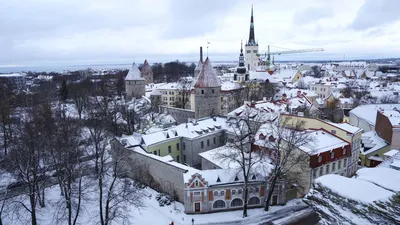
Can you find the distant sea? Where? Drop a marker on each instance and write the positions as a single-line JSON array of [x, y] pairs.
[[61, 68]]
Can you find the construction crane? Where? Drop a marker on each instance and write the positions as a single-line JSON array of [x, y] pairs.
[[268, 54]]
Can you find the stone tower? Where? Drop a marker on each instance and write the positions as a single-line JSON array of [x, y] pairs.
[[251, 47], [207, 94], [135, 86], [241, 73], [147, 73]]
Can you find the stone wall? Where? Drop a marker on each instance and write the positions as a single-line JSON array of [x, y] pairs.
[[207, 102], [180, 115], [135, 88], [149, 169]]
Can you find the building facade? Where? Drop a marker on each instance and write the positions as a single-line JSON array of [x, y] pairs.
[[15, 80]]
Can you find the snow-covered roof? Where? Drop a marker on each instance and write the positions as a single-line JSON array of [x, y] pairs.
[[322, 142], [355, 189], [168, 86], [391, 153], [13, 75], [393, 116], [134, 73], [188, 130], [155, 92], [221, 176], [369, 112], [347, 127], [207, 76], [372, 142], [230, 85], [259, 111], [381, 176]]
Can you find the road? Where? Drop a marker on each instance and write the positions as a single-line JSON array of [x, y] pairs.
[[283, 216]]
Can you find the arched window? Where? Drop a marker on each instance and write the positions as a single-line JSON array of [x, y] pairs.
[[222, 193], [233, 192], [240, 191], [219, 204], [251, 190], [236, 202], [254, 201]]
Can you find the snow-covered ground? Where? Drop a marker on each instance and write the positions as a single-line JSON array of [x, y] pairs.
[[150, 214]]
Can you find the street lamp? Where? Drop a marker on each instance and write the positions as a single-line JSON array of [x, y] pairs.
[[192, 221]]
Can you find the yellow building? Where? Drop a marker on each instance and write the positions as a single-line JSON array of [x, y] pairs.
[[344, 131]]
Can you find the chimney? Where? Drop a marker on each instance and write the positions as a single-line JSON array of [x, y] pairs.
[[201, 54]]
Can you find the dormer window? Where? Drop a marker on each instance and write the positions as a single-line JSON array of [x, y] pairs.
[[236, 178], [253, 177], [320, 158], [344, 151], [218, 180], [332, 155]]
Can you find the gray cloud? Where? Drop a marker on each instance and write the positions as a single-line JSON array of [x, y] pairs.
[[195, 18], [312, 14], [375, 13]]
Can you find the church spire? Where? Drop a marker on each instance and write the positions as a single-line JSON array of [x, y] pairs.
[[252, 39], [241, 57]]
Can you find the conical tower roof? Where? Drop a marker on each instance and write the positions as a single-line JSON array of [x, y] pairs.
[[146, 68], [207, 76], [134, 73]]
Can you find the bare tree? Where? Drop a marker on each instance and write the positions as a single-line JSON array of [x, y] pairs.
[[301, 84], [79, 95], [283, 143], [240, 151], [389, 98], [184, 90], [6, 111], [66, 156]]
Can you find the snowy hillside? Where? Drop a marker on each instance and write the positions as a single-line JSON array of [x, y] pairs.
[[341, 200]]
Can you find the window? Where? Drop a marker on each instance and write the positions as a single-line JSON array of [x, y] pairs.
[[202, 144], [254, 51], [333, 131], [257, 189], [327, 169], [214, 140], [240, 191], [208, 143], [169, 149], [251, 190], [215, 193], [155, 152], [212, 91], [159, 152], [197, 193], [233, 192], [254, 201], [177, 146], [332, 155], [344, 162], [184, 146], [222, 99], [339, 164], [222, 193], [236, 202], [314, 174], [248, 51], [219, 204], [202, 92], [344, 151], [196, 183], [177, 158], [320, 158], [333, 167]]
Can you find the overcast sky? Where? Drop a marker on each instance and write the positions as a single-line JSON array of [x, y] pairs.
[[91, 31]]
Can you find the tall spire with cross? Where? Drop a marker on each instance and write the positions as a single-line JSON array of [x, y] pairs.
[[252, 38]]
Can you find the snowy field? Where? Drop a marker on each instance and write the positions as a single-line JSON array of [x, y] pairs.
[[150, 214]]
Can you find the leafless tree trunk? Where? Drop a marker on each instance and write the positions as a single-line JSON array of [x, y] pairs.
[[240, 151], [184, 88], [287, 137]]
